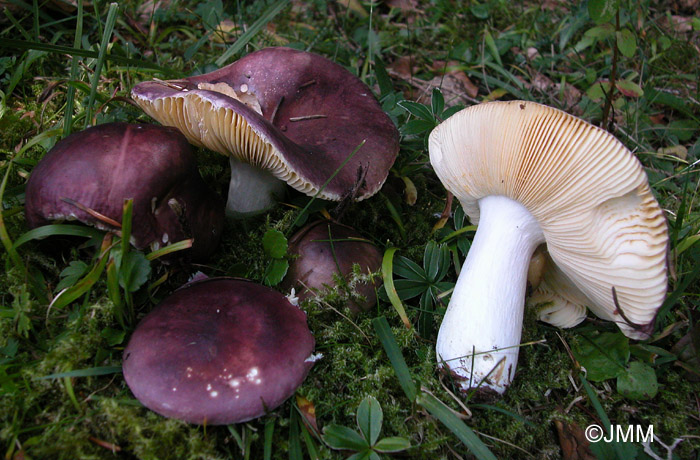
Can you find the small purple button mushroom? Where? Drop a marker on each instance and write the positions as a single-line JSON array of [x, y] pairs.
[[281, 115], [219, 351], [98, 168], [328, 249]]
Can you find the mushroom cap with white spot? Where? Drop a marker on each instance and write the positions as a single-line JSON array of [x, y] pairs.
[[219, 351], [603, 227], [293, 113]]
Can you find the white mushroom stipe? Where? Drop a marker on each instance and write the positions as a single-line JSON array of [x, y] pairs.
[[252, 190], [480, 334]]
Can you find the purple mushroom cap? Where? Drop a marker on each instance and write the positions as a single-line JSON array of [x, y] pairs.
[[294, 114], [219, 351], [100, 167], [327, 249]]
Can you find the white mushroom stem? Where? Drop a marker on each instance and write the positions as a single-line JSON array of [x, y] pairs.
[[480, 334], [252, 190]]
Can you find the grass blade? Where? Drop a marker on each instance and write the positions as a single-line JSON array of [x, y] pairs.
[[179, 246], [106, 38], [58, 229], [58, 49], [295, 452], [269, 431], [465, 434], [386, 337], [388, 277], [70, 94], [254, 28], [91, 372]]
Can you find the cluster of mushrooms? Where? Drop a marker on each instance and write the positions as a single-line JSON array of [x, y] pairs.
[[554, 197]]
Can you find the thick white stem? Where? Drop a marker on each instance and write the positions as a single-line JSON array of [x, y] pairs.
[[480, 335], [252, 190]]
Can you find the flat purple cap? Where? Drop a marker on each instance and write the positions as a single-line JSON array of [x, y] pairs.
[[293, 113], [219, 351]]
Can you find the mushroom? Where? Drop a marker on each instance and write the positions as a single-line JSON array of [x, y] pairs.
[[281, 115], [219, 351], [529, 174], [556, 300], [326, 250], [88, 175]]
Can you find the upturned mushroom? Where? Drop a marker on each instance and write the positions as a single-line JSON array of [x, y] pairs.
[[530, 175], [281, 115], [325, 250], [219, 351], [88, 175]]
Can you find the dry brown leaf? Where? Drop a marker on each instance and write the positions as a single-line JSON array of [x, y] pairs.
[[679, 24], [573, 442], [404, 67], [406, 6], [452, 69], [308, 413]]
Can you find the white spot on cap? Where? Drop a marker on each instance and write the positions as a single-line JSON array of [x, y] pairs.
[[244, 88], [174, 389], [214, 394]]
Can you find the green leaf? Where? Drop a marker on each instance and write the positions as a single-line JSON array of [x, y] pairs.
[[113, 336], [82, 286], [600, 32], [134, 270], [683, 129], [71, 274], [392, 444], [366, 454], [342, 437], [420, 111], [369, 419], [629, 88], [602, 10], [437, 102], [407, 268], [408, 289], [465, 434], [479, 11], [276, 271], [416, 126], [492, 48], [626, 42], [638, 382], [603, 355], [274, 244]]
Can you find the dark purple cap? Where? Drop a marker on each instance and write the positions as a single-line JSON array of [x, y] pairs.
[[294, 113], [326, 249], [219, 351], [100, 167]]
